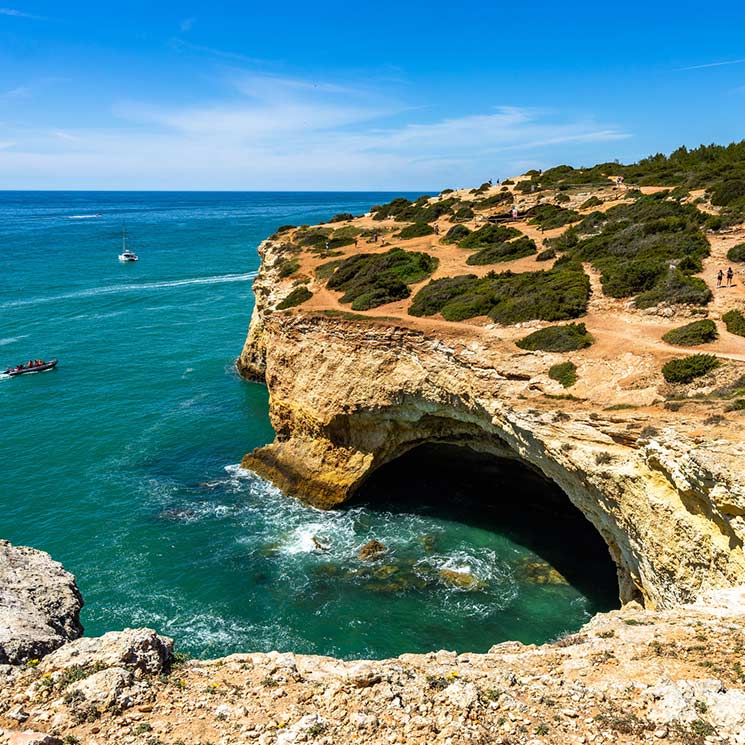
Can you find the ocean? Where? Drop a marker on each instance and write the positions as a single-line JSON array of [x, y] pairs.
[[122, 462]]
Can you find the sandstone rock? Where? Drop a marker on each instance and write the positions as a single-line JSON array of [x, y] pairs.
[[372, 550], [299, 732], [132, 649], [462, 695], [39, 604], [460, 580], [106, 688], [8, 737], [363, 676]]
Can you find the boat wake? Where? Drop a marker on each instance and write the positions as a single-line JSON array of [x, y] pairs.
[[140, 287], [82, 217], [12, 339]]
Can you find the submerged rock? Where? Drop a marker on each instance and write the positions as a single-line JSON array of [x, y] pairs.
[[541, 573], [372, 550], [460, 580], [39, 604]]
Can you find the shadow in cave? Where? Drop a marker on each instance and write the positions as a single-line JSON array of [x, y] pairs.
[[505, 496]]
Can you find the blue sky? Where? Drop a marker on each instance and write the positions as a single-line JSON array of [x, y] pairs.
[[342, 95]]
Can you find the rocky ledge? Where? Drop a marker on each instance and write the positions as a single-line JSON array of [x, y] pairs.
[[631, 676]]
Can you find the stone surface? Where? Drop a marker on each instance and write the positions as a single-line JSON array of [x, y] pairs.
[[39, 604]]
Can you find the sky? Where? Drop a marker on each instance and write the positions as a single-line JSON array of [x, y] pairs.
[[404, 95]]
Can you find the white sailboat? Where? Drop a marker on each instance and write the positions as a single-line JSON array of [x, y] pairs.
[[127, 255]]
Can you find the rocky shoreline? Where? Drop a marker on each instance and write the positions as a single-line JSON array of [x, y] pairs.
[[632, 676]]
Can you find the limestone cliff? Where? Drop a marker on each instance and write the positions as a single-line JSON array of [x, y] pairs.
[[350, 392]]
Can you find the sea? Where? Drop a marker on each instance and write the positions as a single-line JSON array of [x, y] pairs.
[[122, 462]]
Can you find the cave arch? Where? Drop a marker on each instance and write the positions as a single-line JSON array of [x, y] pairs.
[[503, 494]]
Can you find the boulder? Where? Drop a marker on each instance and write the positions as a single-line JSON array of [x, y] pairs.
[[9, 737], [39, 604], [372, 550], [131, 649]]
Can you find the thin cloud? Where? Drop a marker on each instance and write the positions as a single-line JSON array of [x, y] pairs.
[[187, 24], [19, 14], [711, 64], [180, 44], [21, 91]]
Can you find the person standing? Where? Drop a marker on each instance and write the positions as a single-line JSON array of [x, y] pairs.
[[730, 275], [720, 277]]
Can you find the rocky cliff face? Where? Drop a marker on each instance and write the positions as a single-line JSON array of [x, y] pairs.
[[349, 394], [39, 604]]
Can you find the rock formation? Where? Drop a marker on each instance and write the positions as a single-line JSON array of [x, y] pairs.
[[39, 604]]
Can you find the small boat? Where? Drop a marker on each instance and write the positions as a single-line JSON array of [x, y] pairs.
[[127, 255], [23, 369]]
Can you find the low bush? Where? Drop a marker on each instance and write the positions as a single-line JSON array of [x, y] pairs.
[[548, 216], [546, 255], [324, 271], [463, 213], [676, 288], [419, 211], [728, 191], [416, 230], [591, 202], [692, 334], [508, 182], [567, 338], [565, 373], [296, 297], [342, 217], [509, 251], [503, 197], [735, 322], [686, 369], [456, 233], [489, 235], [737, 253], [559, 294], [562, 198], [288, 267], [370, 280], [446, 191]]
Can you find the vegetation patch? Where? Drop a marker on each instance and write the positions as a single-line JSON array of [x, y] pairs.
[[546, 255], [416, 230], [488, 236], [548, 216], [455, 234], [516, 249], [565, 373], [686, 369], [735, 322], [593, 201], [698, 332], [288, 267], [342, 217], [421, 210], [737, 253], [559, 294], [296, 297], [567, 338], [370, 280]]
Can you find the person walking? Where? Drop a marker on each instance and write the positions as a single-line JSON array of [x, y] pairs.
[[730, 275], [720, 277]]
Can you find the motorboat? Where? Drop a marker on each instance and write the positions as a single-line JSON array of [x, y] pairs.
[[30, 368]]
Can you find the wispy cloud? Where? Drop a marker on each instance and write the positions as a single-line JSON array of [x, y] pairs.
[[277, 132], [6, 145], [187, 24], [19, 14], [711, 64], [181, 45], [21, 91]]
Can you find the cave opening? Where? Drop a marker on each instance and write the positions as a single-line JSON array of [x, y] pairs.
[[541, 534]]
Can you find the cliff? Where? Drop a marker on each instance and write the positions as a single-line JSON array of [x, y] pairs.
[[656, 468]]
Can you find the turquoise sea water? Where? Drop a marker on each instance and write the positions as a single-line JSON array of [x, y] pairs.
[[121, 463]]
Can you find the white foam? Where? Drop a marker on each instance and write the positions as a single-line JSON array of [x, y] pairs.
[[82, 217], [120, 289], [11, 339]]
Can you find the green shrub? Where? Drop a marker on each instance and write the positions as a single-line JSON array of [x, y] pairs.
[[446, 191], [737, 405], [296, 297], [565, 373], [503, 197], [562, 198], [324, 271], [686, 369], [591, 202], [342, 217], [416, 230], [728, 191], [288, 267], [509, 251], [419, 211], [559, 294], [508, 182], [692, 334], [455, 234], [489, 235], [737, 253], [735, 322], [549, 216], [567, 338], [284, 228], [676, 288], [369, 280], [463, 213], [546, 255]]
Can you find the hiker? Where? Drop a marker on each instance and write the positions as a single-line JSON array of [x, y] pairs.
[[730, 275], [356, 241], [514, 213], [720, 277]]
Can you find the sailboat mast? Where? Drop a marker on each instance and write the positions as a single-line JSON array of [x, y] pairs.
[[124, 241]]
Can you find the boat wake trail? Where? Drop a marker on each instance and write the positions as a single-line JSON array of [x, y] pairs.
[[121, 289], [12, 339]]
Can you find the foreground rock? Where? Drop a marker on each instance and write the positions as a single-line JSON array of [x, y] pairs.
[[39, 604], [630, 676]]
